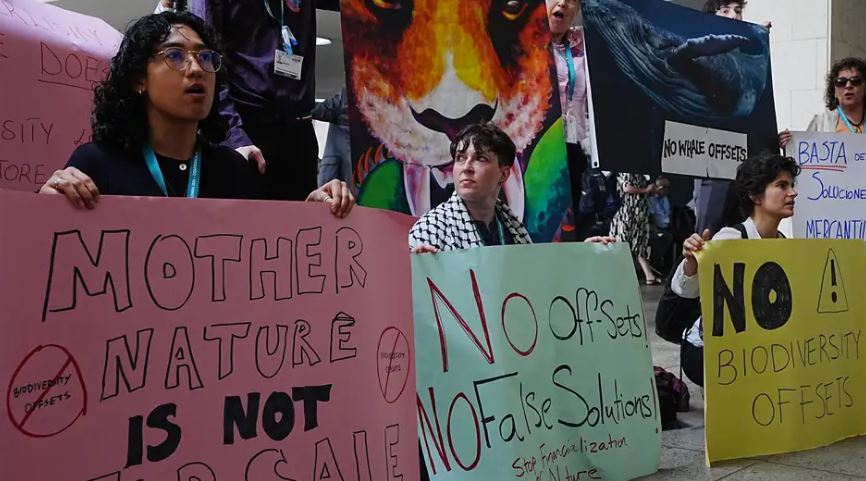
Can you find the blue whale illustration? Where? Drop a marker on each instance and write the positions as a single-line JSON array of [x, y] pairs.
[[714, 77]]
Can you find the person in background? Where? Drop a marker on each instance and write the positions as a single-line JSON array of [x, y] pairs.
[[336, 161], [729, 9], [599, 202], [845, 98], [661, 238], [659, 206], [766, 193], [156, 126], [724, 8], [568, 52], [475, 215], [715, 200], [631, 222], [271, 46]]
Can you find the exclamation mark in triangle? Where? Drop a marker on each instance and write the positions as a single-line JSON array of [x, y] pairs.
[[833, 298]]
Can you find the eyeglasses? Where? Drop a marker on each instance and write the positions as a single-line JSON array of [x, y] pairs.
[[179, 59], [843, 81]]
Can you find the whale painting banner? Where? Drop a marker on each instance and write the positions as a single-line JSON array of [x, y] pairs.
[[527, 370], [222, 340], [784, 364], [419, 72], [50, 59], [832, 185], [653, 64]]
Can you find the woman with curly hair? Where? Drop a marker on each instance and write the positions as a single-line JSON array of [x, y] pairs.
[[156, 126], [766, 193], [845, 98]]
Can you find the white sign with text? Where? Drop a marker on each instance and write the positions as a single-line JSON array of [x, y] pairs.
[[832, 185], [702, 151]]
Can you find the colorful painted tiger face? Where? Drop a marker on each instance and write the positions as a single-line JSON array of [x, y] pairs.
[[421, 70]]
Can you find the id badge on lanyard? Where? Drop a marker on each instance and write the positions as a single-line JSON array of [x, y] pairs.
[[571, 129], [286, 63], [570, 118]]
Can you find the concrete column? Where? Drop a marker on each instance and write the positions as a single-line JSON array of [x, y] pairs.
[[800, 45]]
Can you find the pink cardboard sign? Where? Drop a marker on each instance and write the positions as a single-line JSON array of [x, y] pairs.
[[173, 339], [50, 59]]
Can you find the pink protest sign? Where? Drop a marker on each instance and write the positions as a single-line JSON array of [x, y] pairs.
[[50, 59], [163, 339]]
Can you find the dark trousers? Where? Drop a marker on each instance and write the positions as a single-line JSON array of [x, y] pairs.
[[661, 249], [292, 153], [692, 361], [716, 204], [577, 165]]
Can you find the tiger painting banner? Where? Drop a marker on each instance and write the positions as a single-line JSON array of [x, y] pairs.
[[783, 346], [531, 371], [201, 340], [418, 72]]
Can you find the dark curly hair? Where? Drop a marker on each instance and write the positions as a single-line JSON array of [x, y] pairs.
[[713, 6], [485, 136], [846, 63], [756, 173], [119, 114]]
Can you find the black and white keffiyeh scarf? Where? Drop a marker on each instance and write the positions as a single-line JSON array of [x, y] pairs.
[[449, 227]]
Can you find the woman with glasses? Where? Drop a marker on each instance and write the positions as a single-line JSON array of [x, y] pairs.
[[845, 98], [156, 126]]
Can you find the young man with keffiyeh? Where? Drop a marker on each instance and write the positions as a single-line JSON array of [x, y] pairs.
[[474, 216]]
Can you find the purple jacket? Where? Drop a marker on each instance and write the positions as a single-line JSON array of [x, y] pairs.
[[255, 94]]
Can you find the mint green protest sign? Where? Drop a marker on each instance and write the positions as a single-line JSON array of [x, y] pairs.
[[533, 362]]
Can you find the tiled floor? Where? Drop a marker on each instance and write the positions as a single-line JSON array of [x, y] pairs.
[[683, 449]]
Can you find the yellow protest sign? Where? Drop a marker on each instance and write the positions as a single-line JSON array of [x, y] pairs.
[[783, 347]]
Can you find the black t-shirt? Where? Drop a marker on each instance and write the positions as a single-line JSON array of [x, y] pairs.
[[490, 234], [225, 174]]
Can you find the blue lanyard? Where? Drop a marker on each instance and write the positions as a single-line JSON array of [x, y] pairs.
[[847, 122], [289, 40], [500, 229], [572, 72], [282, 18], [156, 172]]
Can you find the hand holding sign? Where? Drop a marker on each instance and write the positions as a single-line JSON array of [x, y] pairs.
[[529, 370], [691, 246], [832, 199], [208, 337], [75, 185], [784, 357]]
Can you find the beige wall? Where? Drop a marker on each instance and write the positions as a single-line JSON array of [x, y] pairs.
[[800, 46], [848, 29], [806, 38]]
